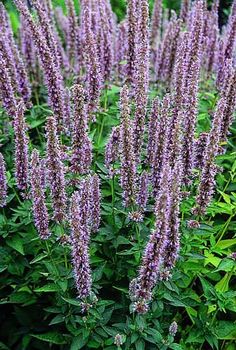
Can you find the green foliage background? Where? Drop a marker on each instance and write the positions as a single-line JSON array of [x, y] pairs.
[[39, 309]]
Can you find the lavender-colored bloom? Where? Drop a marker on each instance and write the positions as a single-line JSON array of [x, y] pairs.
[[93, 78], [40, 212], [55, 175], [209, 168], [199, 148], [21, 149], [184, 10], [3, 182], [132, 23], [112, 150], [95, 202], [81, 145], [118, 341], [79, 241], [173, 237], [122, 50], [193, 64], [162, 142], [72, 34], [7, 96], [52, 75], [128, 163], [27, 47], [136, 216], [173, 329], [166, 58], [212, 44], [13, 56], [231, 34], [141, 288], [142, 194], [193, 224], [229, 93], [47, 29], [153, 126], [105, 47], [141, 78], [156, 22]]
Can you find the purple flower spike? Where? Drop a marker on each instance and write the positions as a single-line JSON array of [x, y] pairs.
[[141, 78], [40, 212], [81, 145], [153, 126], [128, 163], [209, 168], [153, 256], [3, 182], [55, 175], [80, 241], [142, 196], [112, 150], [21, 149]]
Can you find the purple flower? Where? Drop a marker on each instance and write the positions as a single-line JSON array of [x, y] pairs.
[[156, 22], [193, 224], [95, 200], [121, 50], [81, 145], [173, 329], [132, 24], [72, 33], [162, 142], [209, 168], [93, 77], [55, 172], [7, 95], [21, 149], [141, 77], [128, 163], [153, 256], [79, 242], [199, 148], [153, 126], [166, 58], [3, 182], [13, 57], [193, 64], [112, 150], [40, 212], [142, 194], [184, 11], [53, 77]]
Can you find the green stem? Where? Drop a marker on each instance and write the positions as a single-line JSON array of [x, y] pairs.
[[225, 228], [113, 198]]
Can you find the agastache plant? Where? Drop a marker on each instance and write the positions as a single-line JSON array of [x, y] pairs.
[[40, 212], [112, 150], [81, 145], [55, 172], [141, 77], [128, 162], [3, 182], [13, 55], [142, 287], [52, 75], [79, 241], [21, 149]]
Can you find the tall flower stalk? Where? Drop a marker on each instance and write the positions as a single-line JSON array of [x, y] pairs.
[[56, 172], [40, 213]]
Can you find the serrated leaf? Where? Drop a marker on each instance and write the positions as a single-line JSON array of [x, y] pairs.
[[16, 243], [50, 337], [51, 287]]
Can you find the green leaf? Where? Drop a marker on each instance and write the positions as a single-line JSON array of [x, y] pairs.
[[140, 344], [51, 287], [38, 258], [226, 330], [78, 342], [16, 243], [226, 243], [51, 337], [72, 301]]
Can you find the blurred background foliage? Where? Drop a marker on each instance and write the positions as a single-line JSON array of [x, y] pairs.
[[119, 7]]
